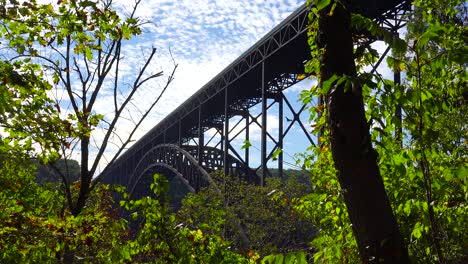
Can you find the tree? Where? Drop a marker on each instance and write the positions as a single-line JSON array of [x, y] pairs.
[[433, 157], [79, 45], [161, 238], [373, 222], [33, 225], [423, 170], [255, 219]]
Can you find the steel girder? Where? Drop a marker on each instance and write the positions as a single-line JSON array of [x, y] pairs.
[[262, 73]]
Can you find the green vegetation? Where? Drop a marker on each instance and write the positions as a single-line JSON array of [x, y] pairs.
[[47, 174], [412, 168], [421, 156], [255, 219]]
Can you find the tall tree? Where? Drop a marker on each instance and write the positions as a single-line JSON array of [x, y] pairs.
[[373, 222], [79, 45]]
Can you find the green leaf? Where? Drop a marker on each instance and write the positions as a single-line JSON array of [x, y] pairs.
[[416, 231], [279, 259], [462, 172], [290, 259], [301, 258], [326, 85], [268, 259], [247, 144], [321, 4], [88, 53], [399, 46], [134, 216], [275, 154]]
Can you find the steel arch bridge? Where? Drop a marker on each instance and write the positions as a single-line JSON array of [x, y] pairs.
[[259, 76]]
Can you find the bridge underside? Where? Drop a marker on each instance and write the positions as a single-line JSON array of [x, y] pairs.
[[258, 77]]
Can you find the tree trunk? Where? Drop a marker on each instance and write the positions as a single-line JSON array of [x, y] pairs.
[[374, 225], [85, 177]]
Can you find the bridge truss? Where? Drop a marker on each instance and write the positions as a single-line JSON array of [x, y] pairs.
[[258, 77]]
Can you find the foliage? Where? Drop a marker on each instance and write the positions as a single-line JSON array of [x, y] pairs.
[[325, 206], [76, 48], [27, 115], [429, 171], [255, 219], [161, 239], [46, 174], [422, 162], [35, 226]]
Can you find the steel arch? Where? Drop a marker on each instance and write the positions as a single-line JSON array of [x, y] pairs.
[[177, 160], [163, 165]]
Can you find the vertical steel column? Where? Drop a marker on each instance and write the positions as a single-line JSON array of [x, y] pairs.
[[180, 134], [280, 134], [226, 132], [396, 82], [264, 128], [201, 137], [221, 133], [247, 138]]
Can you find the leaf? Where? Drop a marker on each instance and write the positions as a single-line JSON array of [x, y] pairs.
[[301, 258], [134, 216], [268, 259], [247, 144], [326, 85], [399, 45], [462, 172], [417, 231], [332, 9], [279, 259], [88, 53], [276, 153], [321, 4], [434, 32], [290, 259]]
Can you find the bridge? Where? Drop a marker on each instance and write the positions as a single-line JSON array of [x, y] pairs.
[[180, 145]]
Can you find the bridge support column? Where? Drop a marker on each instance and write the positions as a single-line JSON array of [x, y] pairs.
[[280, 133], [264, 129], [201, 138], [226, 132], [180, 134], [247, 138]]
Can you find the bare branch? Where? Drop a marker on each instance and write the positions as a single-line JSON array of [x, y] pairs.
[[116, 80], [106, 68], [67, 83], [119, 111], [159, 74], [129, 139], [137, 108]]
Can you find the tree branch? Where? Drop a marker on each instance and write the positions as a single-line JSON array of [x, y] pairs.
[[107, 67], [67, 83], [129, 138]]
